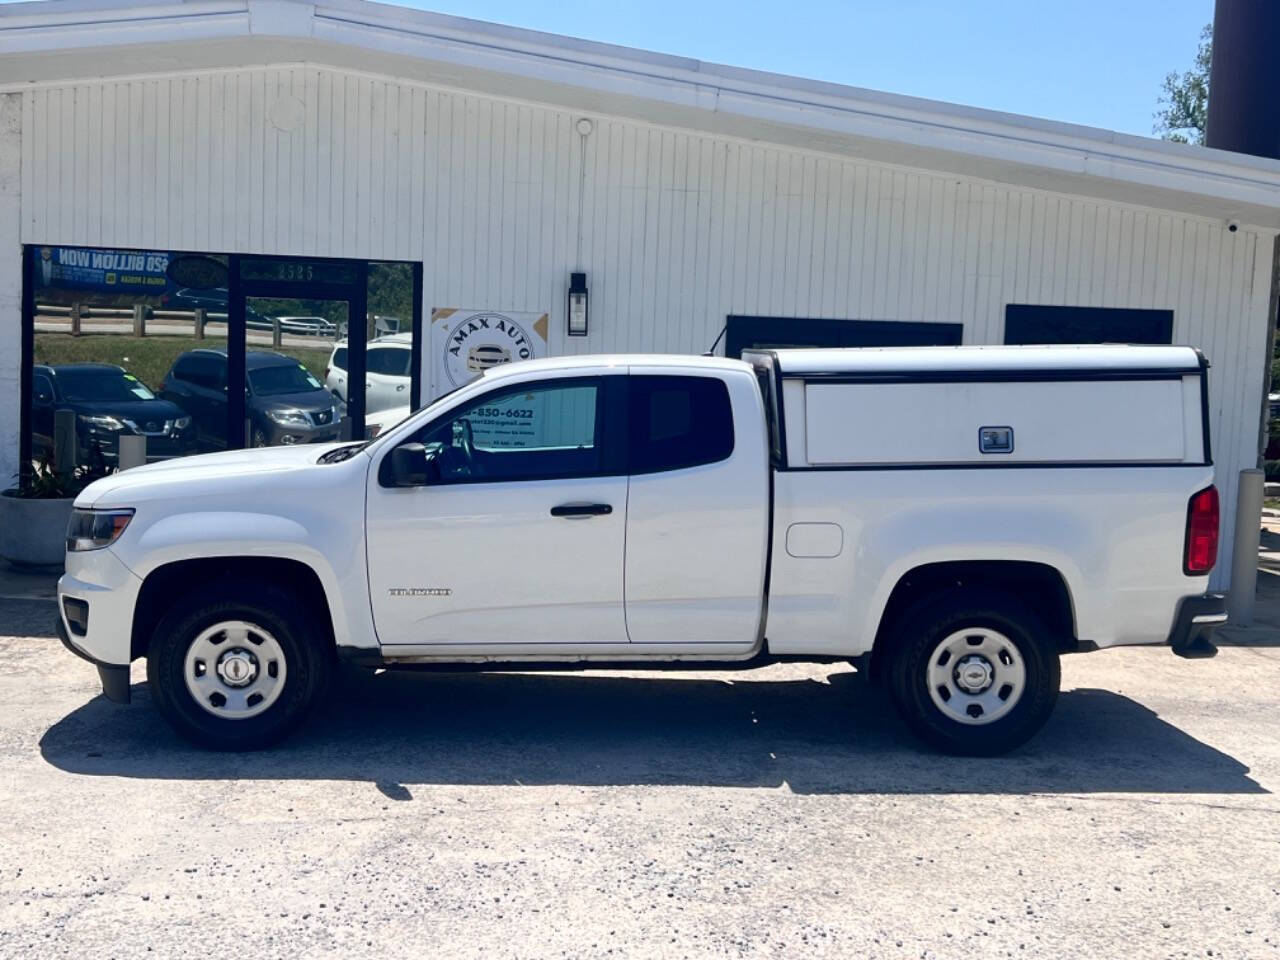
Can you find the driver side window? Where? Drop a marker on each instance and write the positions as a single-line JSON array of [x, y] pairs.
[[526, 432]]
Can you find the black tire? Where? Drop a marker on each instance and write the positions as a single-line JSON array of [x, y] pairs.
[[920, 633], [307, 652]]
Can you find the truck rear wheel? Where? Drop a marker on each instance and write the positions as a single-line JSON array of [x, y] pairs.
[[974, 672], [236, 665]]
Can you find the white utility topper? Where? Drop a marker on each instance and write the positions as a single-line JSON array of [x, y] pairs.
[[950, 519]]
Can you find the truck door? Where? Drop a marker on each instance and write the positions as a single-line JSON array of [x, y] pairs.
[[520, 538], [697, 507]]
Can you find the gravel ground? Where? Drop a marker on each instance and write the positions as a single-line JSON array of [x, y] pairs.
[[782, 812]]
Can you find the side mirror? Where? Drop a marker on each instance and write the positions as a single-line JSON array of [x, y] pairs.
[[411, 467]]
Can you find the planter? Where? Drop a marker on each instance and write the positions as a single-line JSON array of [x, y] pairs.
[[33, 532]]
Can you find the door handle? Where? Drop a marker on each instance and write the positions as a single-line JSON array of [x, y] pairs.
[[573, 511]]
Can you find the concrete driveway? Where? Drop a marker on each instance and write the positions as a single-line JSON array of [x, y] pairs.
[[782, 812]]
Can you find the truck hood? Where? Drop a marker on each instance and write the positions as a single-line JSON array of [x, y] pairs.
[[198, 475]]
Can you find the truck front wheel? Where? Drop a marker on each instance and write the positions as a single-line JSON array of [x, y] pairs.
[[236, 665], [974, 672]]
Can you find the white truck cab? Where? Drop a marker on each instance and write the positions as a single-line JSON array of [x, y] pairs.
[[950, 519]]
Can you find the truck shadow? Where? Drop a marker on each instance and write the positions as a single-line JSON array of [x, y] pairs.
[[400, 730]]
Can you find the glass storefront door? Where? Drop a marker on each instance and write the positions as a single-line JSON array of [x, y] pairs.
[[292, 394]]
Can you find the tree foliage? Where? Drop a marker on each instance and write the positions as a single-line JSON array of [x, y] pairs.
[[1184, 97], [390, 293]]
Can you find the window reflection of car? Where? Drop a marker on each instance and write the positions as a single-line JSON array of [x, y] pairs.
[[308, 326], [213, 301], [388, 367], [486, 355], [109, 403], [383, 420], [1273, 437], [284, 402]]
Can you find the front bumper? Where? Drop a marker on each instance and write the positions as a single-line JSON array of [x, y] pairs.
[[114, 678], [160, 446], [103, 592], [1194, 623], [278, 435]]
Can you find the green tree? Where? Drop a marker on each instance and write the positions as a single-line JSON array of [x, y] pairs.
[[1184, 97]]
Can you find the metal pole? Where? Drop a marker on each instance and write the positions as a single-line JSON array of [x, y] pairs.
[[1244, 555], [64, 442], [275, 332], [139, 320], [1244, 114], [75, 319], [200, 316], [133, 452]]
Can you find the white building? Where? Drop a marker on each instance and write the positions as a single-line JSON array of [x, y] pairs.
[[505, 160]]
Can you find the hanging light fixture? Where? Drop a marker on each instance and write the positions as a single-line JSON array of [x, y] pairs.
[[577, 305]]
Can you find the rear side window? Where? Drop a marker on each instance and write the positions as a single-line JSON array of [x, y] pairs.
[[678, 422], [388, 361], [340, 358], [203, 370]]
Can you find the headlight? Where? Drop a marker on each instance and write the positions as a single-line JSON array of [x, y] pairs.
[[94, 529], [337, 415], [289, 418], [182, 423], [102, 421]]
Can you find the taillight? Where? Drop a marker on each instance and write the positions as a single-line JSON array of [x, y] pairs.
[[1202, 533]]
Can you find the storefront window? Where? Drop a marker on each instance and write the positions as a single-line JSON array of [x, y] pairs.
[[136, 344], [388, 334], [109, 326]]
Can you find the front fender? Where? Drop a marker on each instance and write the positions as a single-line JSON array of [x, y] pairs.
[[212, 534]]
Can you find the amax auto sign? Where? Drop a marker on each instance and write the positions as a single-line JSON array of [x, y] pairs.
[[465, 343]]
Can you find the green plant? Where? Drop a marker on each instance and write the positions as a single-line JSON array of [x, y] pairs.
[[45, 482]]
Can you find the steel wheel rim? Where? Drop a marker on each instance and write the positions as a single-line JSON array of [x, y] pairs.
[[976, 676], [235, 670]]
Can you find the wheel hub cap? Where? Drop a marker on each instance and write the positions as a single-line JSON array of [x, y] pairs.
[[237, 668], [976, 676]]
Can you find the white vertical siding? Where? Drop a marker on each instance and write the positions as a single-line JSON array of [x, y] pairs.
[[676, 229], [11, 188]]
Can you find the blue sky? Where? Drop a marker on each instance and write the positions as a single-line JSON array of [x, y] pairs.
[[1096, 62]]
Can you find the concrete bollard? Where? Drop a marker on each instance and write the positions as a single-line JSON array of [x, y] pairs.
[[201, 316], [1244, 556], [139, 320], [133, 452], [275, 332], [76, 313]]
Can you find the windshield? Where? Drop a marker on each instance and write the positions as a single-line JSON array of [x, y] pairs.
[[268, 381], [386, 431], [93, 386]]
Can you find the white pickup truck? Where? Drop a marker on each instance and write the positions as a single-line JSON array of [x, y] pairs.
[[951, 520]]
